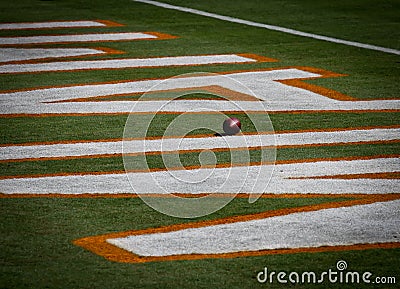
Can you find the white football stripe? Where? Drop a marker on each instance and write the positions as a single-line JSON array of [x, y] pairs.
[[280, 182], [111, 107], [20, 54], [363, 224], [261, 80], [276, 96], [173, 144], [74, 38], [50, 24], [125, 63]]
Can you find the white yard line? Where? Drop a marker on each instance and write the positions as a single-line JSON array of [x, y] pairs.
[[50, 24], [362, 224], [125, 63], [182, 144], [241, 180], [263, 84], [44, 39], [270, 27], [21, 54]]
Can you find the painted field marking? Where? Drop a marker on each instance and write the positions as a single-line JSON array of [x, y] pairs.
[[127, 246], [268, 85], [271, 27], [210, 92], [191, 60], [93, 37], [101, 148], [372, 223], [28, 54], [288, 178], [57, 24]]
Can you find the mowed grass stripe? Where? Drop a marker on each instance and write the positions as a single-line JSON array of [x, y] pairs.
[[67, 128], [115, 163]]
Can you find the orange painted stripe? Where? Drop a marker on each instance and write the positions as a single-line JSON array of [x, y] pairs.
[[317, 89], [115, 254], [109, 50], [193, 167], [110, 23], [204, 135], [299, 83], [99, 246], [257, 57], [160, 35]]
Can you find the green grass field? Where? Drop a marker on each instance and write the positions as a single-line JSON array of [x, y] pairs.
[[37, 234]]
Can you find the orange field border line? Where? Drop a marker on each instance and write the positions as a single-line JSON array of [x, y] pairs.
[[99, 246], [110, 23]]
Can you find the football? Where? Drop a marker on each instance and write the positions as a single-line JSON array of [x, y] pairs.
[[231, 126]]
